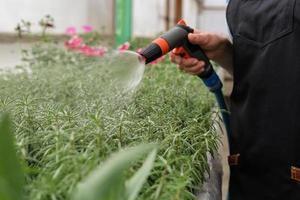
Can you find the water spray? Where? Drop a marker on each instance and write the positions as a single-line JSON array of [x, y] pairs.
[[176, 39]]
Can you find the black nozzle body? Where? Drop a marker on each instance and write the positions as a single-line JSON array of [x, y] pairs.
[[175, 37], [151, 52]]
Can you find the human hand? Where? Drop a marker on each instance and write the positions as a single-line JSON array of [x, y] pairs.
[[216, 47]]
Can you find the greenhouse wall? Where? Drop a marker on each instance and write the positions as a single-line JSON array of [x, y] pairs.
[[148, 15], [212, 16], [209, 15], [65, 12]]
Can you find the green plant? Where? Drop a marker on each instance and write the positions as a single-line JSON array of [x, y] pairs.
[[137, 43], [92, 38], [108, 181], [67, 123], [11, 174]]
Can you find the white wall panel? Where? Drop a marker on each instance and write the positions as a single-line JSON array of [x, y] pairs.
[[213, 20], [213, 17], [190, 12], [215, 2], [65, 12], [148, 17]]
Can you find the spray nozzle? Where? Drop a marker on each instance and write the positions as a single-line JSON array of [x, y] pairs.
[[168, 41], [176, 39]]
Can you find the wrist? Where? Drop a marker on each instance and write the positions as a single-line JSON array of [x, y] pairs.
[[225, 57]]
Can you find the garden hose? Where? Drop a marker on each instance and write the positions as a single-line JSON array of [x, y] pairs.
[[176, 39]]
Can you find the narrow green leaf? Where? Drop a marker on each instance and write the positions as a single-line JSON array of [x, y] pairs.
[[11, 175], [134, 185], [107, 182]]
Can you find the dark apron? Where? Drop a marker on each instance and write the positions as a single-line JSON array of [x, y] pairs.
[[265, 103]]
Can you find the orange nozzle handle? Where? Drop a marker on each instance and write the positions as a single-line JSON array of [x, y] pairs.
[[181, 22], [180, 51]]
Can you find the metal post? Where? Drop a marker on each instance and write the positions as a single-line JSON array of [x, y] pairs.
[[167, 17], [178, 11]]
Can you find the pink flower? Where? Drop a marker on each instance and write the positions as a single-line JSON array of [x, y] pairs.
[[71, 30], [124, 47], [87, 50], [87, 28], [91, 51], [74, 43], [100, 51]]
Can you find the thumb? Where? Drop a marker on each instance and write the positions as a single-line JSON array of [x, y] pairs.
[[202, 39]]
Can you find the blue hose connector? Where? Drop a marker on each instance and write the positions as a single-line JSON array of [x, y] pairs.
[[213, 82]]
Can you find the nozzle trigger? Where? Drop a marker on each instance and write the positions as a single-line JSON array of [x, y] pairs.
[[180, 51]]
